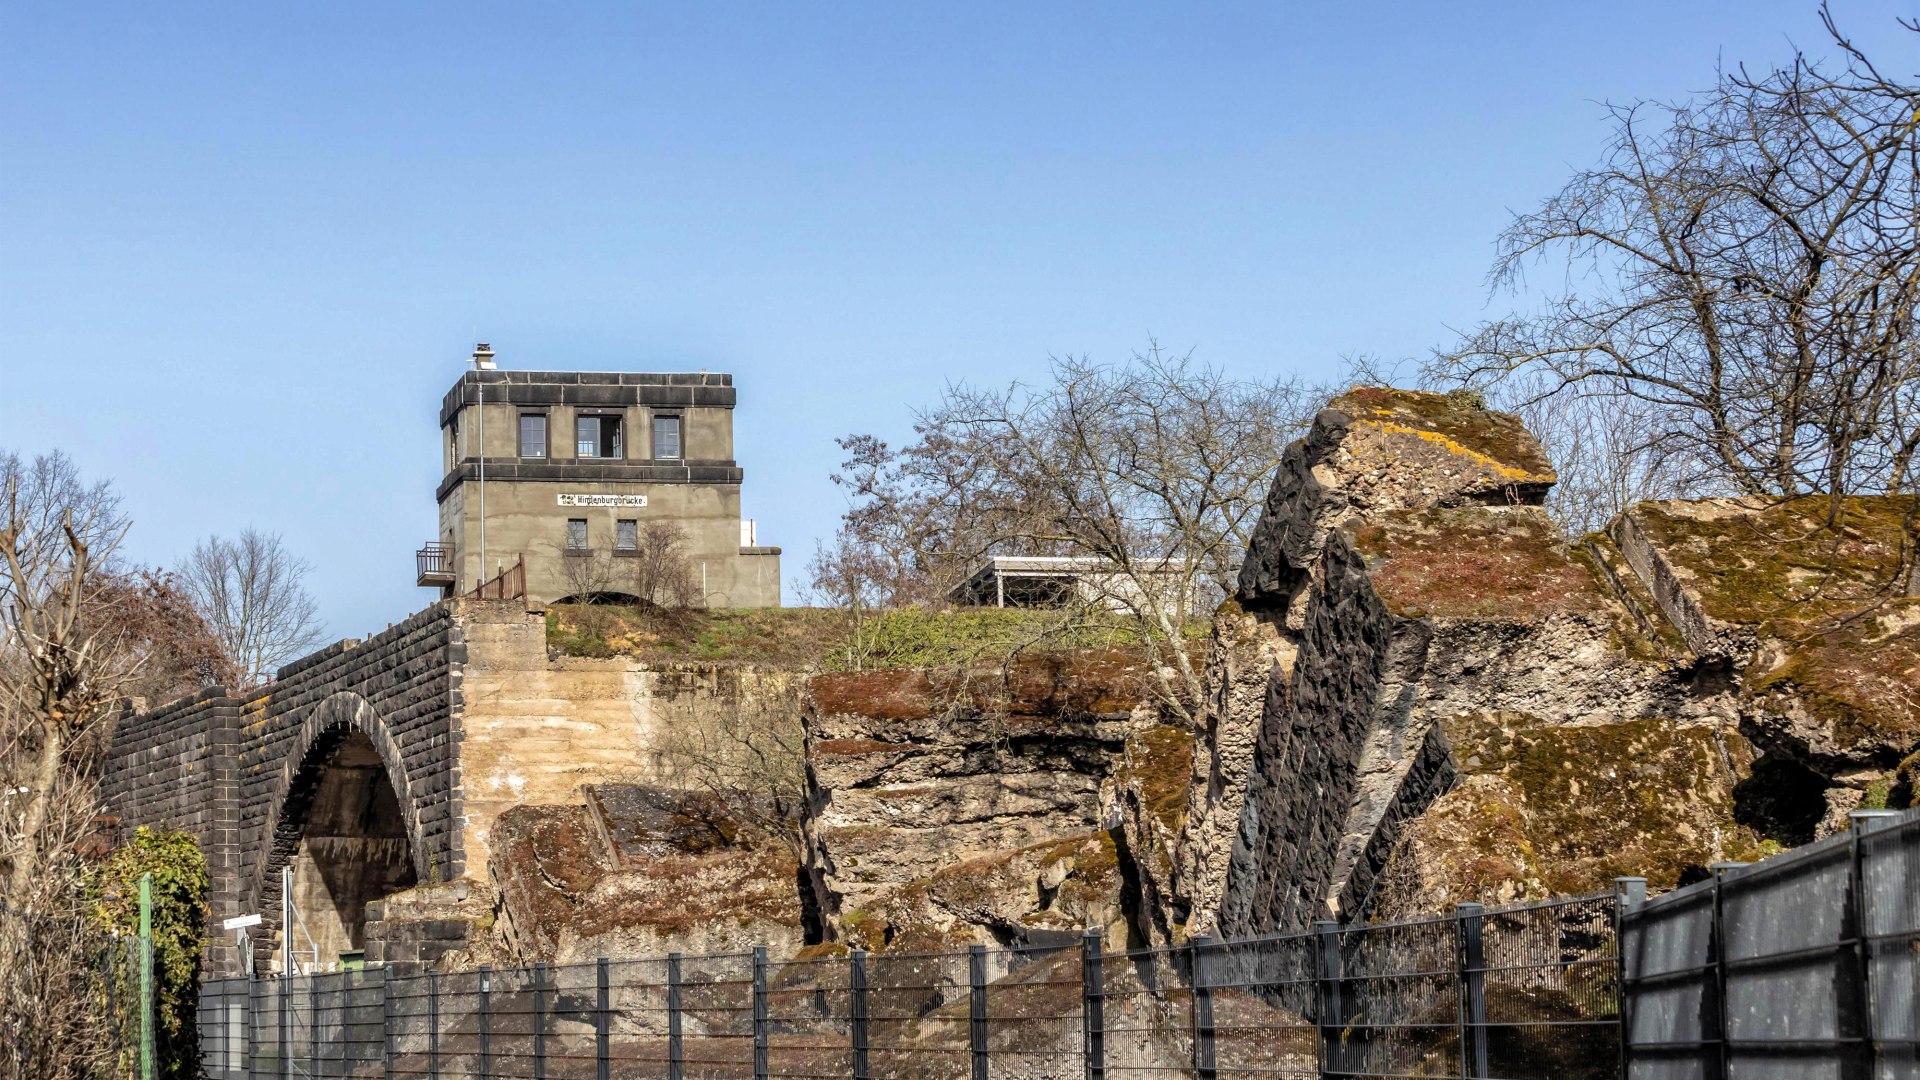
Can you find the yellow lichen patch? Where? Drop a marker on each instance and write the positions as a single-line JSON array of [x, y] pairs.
[[1459, 422], [1486, 461]]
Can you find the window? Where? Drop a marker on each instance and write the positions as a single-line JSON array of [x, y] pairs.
[[533, 435], [626, 535], [666, 437], [598, 436], [576, 534]]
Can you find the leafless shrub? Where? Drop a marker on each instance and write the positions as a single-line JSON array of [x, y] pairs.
[[659, 569], [590, 576], [64, 664], [751, 759]]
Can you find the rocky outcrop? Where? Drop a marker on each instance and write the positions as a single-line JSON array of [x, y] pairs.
[[640, 871], [1822, 622], [1419, 694], [1417, 582], [1249, 660], [1463, 705], [961, 807]]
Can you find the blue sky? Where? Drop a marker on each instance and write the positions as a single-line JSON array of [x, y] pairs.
[[245, 249]]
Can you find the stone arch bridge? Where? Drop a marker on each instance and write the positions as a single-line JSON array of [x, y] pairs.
[[345, 767], [375, 765]]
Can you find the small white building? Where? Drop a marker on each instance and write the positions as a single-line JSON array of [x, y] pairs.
[[1057, 580]]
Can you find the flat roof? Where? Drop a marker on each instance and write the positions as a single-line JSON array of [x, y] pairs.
[[667, 389]]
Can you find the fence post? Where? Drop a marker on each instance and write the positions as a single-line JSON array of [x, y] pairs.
[[256, 1025], [857, 1012], [602, 1028], [386, 1022], [1331, 1019], [539, 1021], [146, 976], [1093, 1018], [759, 1012], [282, 1036], [486, 1022], [433, 1025], [1628, 894], [1470, 923], [313, 1020], [1861, 822], [676, 1050], [111, 971], [1204, 1064], [977, 1008], [1718, 943]]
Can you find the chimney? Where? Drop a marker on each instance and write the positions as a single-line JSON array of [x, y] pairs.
[[483, 357]]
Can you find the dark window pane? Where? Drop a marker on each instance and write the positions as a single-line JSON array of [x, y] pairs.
[[598, 436], [666, 436], [577, 533], [533, 435], [626, 535]]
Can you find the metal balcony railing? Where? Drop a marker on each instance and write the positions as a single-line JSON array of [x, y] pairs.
[[435, 564]]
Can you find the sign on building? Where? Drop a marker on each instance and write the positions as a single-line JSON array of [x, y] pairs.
[[570, 499]]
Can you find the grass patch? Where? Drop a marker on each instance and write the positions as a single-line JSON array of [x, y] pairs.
[[787, 637], [826, 639]]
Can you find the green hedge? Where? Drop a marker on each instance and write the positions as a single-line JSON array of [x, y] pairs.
[[179, 929]]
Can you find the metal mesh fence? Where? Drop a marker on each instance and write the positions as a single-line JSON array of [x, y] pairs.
[[1526, 991]]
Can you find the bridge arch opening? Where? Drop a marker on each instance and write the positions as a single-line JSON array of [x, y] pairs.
[[353, 846]]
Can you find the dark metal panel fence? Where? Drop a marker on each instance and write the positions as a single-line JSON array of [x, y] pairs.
[[1800, 966], [1525, 991]]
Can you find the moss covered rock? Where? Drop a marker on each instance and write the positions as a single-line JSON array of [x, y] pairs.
[[1814, 601], [1548, 809]]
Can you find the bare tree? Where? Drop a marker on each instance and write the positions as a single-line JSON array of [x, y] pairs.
[[173, 651], [1742, 275], [659, 569], [854, 579], [251, 591], [63, 664], [1607, 451], [1156, 468]]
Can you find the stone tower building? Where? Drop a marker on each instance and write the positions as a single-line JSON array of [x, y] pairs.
[[567, 473]]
